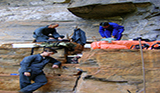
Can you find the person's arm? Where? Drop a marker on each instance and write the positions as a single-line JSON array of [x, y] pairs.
[[56, 63], [55, 66], [101, 31], [55, 34], [115, 30], [113, 36], [27, 73]]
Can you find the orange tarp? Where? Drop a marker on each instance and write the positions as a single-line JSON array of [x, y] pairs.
[[121, 44]]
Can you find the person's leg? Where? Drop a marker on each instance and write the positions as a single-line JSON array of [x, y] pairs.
[[119, 35], [41, 39], [24, 80], [40, 80]]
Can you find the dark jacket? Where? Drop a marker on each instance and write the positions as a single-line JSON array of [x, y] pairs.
[[41, 34], [36, 63], [79, 36]]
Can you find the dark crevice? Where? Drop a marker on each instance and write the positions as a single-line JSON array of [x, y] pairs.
[[79, 76], [103, 79]]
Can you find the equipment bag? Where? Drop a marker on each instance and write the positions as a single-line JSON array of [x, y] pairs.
[[144, 46], [156, 45]]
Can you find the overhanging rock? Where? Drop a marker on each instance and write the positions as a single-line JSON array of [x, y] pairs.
[[101, 11]]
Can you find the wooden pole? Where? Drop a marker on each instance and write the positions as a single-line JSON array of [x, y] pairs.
[[143, 67]]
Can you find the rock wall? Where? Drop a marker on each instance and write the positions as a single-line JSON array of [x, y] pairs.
[[103, 71], [119, 71], [18, 19]]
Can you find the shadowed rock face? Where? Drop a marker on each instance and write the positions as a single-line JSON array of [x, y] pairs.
[[102, 11]]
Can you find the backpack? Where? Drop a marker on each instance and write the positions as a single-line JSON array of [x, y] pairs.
[[138, 47], [156, 45]]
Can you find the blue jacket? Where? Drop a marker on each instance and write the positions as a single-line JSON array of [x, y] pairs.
[[114, 29], [79, 36], [39, 34], [36, 63]]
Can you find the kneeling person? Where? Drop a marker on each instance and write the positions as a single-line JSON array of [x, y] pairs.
[[111, 30], [32, 69]]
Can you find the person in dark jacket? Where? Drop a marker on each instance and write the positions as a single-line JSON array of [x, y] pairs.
[[111, 30], [32, 69], [79, 36], [42, 34]]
